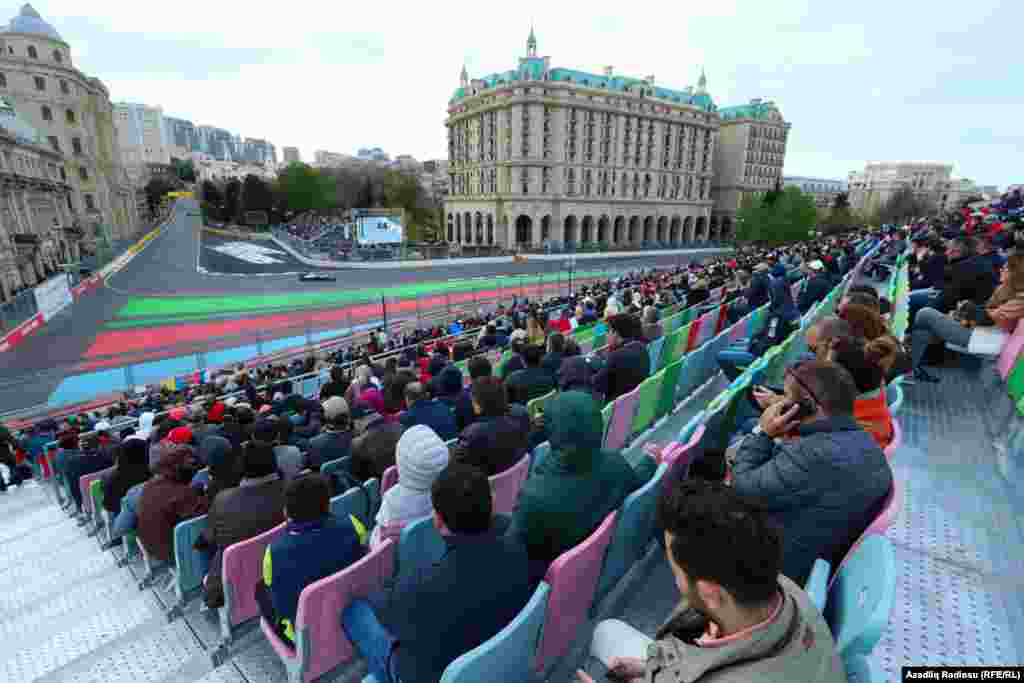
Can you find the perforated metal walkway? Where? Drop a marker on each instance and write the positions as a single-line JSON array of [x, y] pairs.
[[69, 613]]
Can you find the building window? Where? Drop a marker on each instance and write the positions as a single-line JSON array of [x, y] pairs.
[[3, 80], [70, 115], [32, 52], [57, 56], [90, 203], [63, 174], [71, 206], [54, 142], [47, 114], [83, 174], [40, 83], [64, 88], [76, 146]]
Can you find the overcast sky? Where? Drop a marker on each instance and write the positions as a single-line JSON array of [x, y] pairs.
[[871, 80]]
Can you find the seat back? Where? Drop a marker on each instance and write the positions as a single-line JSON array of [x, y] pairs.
[[622, 420], [1011, 350], [880, 524], [897, 439], [632, 534], [536, 406], [894, 398], [357, 501], [860, 669], [418, 545], [540, 452], [817, 583], [508, 656], [654, 349], [191, 564], [242, 569], [96, 496], [389, 479], [336, 465], [84, 482], [573, 579], [861, 597], [647, 405], [667, 393], [320, 640], [505, 485]]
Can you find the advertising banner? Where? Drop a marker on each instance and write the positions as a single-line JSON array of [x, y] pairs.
[[53, 295]]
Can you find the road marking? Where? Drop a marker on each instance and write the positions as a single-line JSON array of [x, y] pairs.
[[250, 253]]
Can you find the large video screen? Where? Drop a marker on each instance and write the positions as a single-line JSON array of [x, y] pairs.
[[379, 230]]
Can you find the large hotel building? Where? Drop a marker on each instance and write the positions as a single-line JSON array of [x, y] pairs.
[[549, 156]]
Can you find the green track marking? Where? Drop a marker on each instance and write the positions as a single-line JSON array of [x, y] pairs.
[[166, 308]]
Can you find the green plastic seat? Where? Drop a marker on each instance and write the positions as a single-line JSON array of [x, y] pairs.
[[647, 405]]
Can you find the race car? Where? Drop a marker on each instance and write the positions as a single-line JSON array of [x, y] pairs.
[[317, 277]]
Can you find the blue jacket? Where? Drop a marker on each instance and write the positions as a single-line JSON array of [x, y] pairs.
[[127, 518], [304, 554], [781, 298], [440, 611], [814, 290], [328, 446], [822, 489], [434, 414]]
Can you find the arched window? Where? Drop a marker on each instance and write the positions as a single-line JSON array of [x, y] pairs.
[[3, 80], [47, 113], [32, 52], [57, 56], [70, 115]]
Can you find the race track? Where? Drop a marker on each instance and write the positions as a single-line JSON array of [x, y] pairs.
[[196, 291]]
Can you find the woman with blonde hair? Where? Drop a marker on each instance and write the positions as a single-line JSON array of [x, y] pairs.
[[981, 330]]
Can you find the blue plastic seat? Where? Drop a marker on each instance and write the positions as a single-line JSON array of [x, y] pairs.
[[861, 597], [539, 453], [860, 669], [632, 534], [817, 583], [190, 564], [332, 466]]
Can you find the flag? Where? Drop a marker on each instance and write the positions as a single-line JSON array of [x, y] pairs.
[[168, 384]]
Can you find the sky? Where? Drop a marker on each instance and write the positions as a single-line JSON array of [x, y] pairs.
[[862, 81]]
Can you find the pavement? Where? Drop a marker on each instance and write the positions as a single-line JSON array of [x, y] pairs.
[[191, 290]]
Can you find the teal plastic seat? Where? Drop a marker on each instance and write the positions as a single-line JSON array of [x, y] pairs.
[[632, 534], [817, 583], [419, 545], [861, 597], [860, 669], [190, 564], [358, 502], [539, 454], [332, 466]]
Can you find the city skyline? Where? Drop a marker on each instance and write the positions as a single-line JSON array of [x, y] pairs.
[[854, 91]]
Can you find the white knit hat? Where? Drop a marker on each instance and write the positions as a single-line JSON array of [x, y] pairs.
[[421, 455]]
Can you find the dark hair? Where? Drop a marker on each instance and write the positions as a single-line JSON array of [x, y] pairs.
[[864, 321], [863, 289], [533, 355], [394, 390], [479, 366], [851, 354], [461, 495], [308, 498], [626, 325], [284, 429], [258, 459], [720, 536], [572, 348], [414, 391], [489, 394], [556, 342], [827, 384], [861, 299]]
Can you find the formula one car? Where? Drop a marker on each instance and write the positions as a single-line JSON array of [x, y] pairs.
[[317, 277]]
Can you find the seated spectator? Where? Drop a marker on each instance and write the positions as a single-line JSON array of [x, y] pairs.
[[132, 468], [968, 277], [978, 329], [435, 613], [336, 439], [819, 475], [496, 439], [290, 460], [315, 545], [816, 288], [97, 455], [478, 367], [572, 490], [531, 382], [652, 328], [575, 374], [424, 410], [628, 363], [739, 618], [536, 335], [926, 274], [513, 361], [223, 469], [447, 386], [420, 455], [552, 360], [864, 360], [363, 380], [254, 506], [167, 499], [865, 322]]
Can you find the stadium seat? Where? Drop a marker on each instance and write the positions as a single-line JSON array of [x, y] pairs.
[[620, 426], [882, 521], [632, 534], [332, 466], [389, 479], [667, 393], [190, 564], [505, 485], [419, 544], [860, 669], [861, 597], [654, 349], [320, 642], [358, 502], [542, 451], [817, 583], [897, 439], [242, 569], [1011, 351], [894, 397], [96, 496], [84, 484], [537, 405], [573, 579], [647, 404]]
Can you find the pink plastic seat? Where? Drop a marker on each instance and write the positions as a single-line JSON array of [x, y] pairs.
[[242, 569], [1011, 350], [389, 479], [320, 641], [621, 424], [897, 439], [890, 510], [505, 485], [681, 454], [573, 579]]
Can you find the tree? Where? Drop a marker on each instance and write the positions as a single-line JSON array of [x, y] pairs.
[[184, 169], [788, 218], [232, 199], [842, 201], [256, 194], [300, 188], [155, 189]]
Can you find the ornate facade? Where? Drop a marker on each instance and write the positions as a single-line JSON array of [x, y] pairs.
[[753, 151], [73, 113], [38, 232], [550, 156]]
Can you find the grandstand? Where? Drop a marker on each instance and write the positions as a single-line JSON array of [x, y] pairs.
[[934, 581]]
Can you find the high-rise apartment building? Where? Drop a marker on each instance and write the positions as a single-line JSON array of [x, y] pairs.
[[541, 155], [142, 137], [752, 150]]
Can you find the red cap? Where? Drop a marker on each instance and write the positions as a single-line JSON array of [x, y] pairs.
[[216, 414], [177, 413], [180, 435]]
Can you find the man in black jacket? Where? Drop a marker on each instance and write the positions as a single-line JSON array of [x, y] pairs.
[[531, 382], [816, 288], [628, 364], [968, 277]]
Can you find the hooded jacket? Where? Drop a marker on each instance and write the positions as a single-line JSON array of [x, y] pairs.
[[573, 489], [420, 456], [132, 468], [224, 469]]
